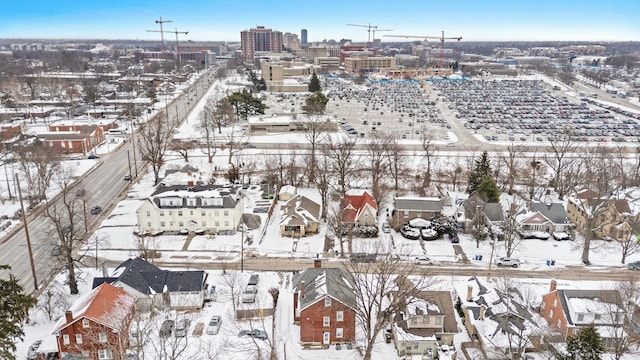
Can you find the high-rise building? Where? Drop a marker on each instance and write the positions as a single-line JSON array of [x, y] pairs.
[[303, 36], [259, 41], [291, 41]]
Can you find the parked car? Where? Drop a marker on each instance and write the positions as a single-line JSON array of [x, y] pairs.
[[253, 279], [423, 260], [506, 261], [362, 258], [127, 177], [96, 210], [386, 228], [33, 350], [249, 294], [255, 333], [93, 156], [166, 328], [634, 265], [214, 325], [182, 327]]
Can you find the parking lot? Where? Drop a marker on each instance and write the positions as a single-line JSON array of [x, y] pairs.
[[508, 110]]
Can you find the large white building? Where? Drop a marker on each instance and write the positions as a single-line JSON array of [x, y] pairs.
[[202, 208]]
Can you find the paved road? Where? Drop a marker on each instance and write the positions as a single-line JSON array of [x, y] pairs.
[[453, 269], [104, 185]]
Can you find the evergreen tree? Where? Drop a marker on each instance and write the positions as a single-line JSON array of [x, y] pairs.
[[245, 104], [314, 84], [481, 169], [488, 190], [315, 104], [586, 345], [14, 309]]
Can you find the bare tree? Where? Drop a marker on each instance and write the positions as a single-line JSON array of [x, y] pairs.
[[182, 147], [234, 281], [53, 301], [509, 228], [337, 227], [397, 162], [66, 217], [38, 163], [429, 150], [170, 347], [235, 143], [155, 136], [378, 160], [514, 152], [322, 180], [382, 289], [343, 163], [562, 147], [628, 240], [207, 125]]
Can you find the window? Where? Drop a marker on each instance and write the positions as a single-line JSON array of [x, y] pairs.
[[405, 213], [162, 224], [226, 213], [559, 323], [148, 223], [326, 321], [190, 212], [438, 320], [180, 223], [161, 213], [425, 319], [148, 213], [204, 223], [170, 213], [203, 213], [102, 337], [339, 315], [414, 320], [555, 302], [226, 224], [575, 331], [180, 213], [85, 323], [419, 214], [217, 223], [580, 317], [339, 333], [104, 354], [78, 338], [551, 313], [327, 301], [65, 339], [598, 316]]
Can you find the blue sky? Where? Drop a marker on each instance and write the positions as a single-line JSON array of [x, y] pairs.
[[474, 20]]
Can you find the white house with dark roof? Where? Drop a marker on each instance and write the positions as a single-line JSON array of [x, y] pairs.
[[210, 208], [545, 217]]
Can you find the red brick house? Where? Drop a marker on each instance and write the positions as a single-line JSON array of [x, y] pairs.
[[569, 310], [323, 305], [96, 326], [359, 208], [80, 139], [409, 208]]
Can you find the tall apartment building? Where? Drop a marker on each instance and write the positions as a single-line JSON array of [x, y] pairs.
[[291, 41], [303, 36], [259, 41]]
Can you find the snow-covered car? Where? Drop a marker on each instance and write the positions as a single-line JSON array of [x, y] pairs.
[[256, 333], [182, 327], [506, 261], [634, 265], [428, 234], [410, 232], [386, 228], [166, 328], [249, 294], [33, 350], [423, 260], [214, 325]]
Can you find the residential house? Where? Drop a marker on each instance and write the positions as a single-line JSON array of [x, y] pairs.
[[569, 310], [185, 175], [299, 217], [359, 208], [96, 326], [154, 287], [287, 192], [545, 217], [610, 217], [79, 140], [323, 305], [481, 213], [408, 208], [426, 325], [501, 320], [181, 208]]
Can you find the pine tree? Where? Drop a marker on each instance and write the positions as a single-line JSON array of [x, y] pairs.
[[586, 345], [481, 169], [488, 190], [14, 309], [315, 104], [314, 84]]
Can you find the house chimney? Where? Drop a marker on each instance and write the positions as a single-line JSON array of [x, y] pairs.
[[105, 273], [302, 289], [68, 316], [317, 263], [553, 285], [483, 309], [469, 292]]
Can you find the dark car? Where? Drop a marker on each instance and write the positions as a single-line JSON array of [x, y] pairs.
[[127, 177], [634, 265], [96, 210], [362, 258], [167, 328], [93, 156], [255, 333]]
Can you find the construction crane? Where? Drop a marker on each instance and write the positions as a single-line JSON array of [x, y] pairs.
[[369, 29], [177, 43], [374, 33], [164, 49], [442, 38]]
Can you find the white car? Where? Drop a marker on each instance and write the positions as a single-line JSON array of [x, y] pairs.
[[249, 295], [386, 228], [423, 260], [214, 325], [505, 261]]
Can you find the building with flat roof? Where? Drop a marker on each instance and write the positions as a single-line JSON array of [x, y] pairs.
[[358, 63], [259, 41]]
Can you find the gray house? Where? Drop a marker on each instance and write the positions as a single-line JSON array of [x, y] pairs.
[[478, 211], [408, 208], [546, 217]]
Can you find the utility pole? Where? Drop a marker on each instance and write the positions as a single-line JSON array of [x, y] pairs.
[[26, 232]]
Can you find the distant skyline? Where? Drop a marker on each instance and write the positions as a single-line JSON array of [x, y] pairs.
[[222, 20]]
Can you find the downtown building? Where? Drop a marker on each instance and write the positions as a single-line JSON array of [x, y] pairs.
[[259, 41]]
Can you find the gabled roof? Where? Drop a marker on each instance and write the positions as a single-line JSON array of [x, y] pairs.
[[149, 279], [106, 305], [354, 204], [299, 210], [555, 212], [493, 211], [418, 204], [597, 300], [318, 282], [432, 302]]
